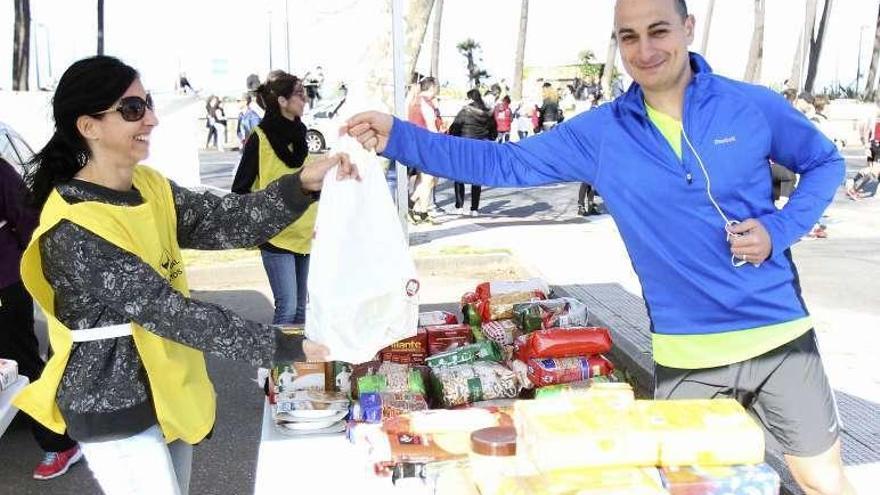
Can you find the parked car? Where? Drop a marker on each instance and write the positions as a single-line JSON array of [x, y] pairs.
[[14, 149], [322, 124]]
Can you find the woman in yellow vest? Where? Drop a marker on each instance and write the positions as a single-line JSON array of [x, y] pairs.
[[276, 148], [127, 378]]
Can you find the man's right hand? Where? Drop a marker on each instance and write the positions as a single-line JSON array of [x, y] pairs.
[[371, 129]]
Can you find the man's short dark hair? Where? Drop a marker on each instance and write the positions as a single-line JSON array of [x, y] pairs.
[[682, 8]]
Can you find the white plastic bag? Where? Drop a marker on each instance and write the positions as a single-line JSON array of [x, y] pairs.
[[363, 287]]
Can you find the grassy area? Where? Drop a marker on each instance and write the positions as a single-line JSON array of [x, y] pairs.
[[459, 251], [194, 258]]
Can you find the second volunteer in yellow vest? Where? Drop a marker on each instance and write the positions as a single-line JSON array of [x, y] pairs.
[[127, 374], [277, 147]]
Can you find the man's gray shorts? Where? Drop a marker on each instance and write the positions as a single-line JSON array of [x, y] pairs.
[[785, 390]]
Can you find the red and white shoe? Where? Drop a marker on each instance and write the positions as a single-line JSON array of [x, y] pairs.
[[55, 464]]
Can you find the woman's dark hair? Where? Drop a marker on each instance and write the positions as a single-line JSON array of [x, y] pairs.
[[278, 83], [476, 98], [89, 86]]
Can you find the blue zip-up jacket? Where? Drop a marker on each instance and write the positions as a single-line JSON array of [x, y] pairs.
[[675, 237]]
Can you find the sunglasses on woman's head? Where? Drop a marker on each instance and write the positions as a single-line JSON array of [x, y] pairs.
[[132, 108]]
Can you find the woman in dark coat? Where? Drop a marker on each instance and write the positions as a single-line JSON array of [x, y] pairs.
[[474, 121]]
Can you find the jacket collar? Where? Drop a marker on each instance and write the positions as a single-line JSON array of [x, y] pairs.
[[634, 98]]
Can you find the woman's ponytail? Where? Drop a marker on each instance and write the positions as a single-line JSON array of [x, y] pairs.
[[58, 161]]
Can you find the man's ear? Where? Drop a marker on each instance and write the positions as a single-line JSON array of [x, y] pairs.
[[88, 127], [689, 27]]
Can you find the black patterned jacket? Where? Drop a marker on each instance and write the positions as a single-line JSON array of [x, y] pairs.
[[104, 393]]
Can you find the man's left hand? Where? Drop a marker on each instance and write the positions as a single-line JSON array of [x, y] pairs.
[[753, 243]]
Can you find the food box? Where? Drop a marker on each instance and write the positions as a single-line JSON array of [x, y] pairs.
[[434, 318], [581, 432], [704, 432], [442, 338], [758, 479], [297, 375], [605, 481], [412, 350]]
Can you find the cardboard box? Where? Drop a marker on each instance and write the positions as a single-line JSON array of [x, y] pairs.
[[413, 350], [442, 338], [299, 376]]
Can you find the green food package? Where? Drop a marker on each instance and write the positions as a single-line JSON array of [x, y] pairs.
[[371, 384], [484, 350]]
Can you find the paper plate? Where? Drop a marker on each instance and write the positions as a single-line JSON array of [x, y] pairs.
[[310, 425], [311, 415]]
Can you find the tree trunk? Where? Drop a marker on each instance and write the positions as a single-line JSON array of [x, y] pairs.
[[100, 27], [875, 58], [417, 18], [804, 45], [520, 50], [435, 43], [816, 46], [756, 52], [608, 70], [705, 46], [796, 64], [21, 43]]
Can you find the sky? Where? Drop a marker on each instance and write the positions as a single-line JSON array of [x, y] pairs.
[[218, 43]]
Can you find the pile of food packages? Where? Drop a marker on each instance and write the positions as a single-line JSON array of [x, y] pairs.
[[518, 397]]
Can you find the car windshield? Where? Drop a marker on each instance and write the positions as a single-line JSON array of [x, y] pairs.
[[14, 150]]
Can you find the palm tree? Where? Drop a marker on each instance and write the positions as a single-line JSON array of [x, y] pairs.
[[21, 43], [435, 42], [100, 27], [875, 57], [816, 45], [756, 52], [705, 45], [803, 48], [608, 69], [520, 50], [470, 48]]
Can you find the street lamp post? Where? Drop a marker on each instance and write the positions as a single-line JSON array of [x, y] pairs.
[[287, 31], [859, 63], [270, 40]]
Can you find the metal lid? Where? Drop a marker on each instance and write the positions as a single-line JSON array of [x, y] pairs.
[[495, 441]]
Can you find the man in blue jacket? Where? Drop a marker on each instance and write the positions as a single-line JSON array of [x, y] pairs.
[[717, 275]]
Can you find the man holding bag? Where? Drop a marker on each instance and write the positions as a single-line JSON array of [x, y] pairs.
[[726, 310]]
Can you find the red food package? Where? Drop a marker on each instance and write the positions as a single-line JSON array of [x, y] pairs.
[[553, 371], [442, 338], [433, 318], [413, 350], [563, 342]]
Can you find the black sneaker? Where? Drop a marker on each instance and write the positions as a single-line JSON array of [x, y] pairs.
[[582, 211], [592, 210]]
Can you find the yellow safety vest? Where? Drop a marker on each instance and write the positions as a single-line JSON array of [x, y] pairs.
[[296, 237], [182, 393]]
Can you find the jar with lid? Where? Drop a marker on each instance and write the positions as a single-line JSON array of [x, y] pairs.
[[493, 457]]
